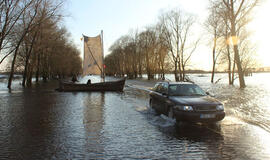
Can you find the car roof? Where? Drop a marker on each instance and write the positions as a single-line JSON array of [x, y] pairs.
[[175, 83]]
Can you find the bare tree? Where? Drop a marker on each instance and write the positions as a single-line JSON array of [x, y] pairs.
[[11, 12], [177, 27], [39, 44], [248, 52], [116, 64], [214, 25], [136, 54], [148, 41], [46, 12], [27, 24], [238, 12], [162, 51]]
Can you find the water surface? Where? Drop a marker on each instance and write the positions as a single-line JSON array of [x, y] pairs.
[[40, 123]]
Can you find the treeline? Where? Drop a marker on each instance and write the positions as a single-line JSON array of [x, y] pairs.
[[166, 46], [145, 52], [33, 41], [169, 44]]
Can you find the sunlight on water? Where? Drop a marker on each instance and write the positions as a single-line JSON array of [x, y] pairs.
[[264, 140], [229, 120], [141, 108]]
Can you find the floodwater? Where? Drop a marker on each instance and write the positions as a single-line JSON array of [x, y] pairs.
[[40, 123]]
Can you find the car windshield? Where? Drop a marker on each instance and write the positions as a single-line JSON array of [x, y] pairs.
[[185, 90]]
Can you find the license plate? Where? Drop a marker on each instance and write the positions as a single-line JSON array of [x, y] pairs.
[[207, 116]]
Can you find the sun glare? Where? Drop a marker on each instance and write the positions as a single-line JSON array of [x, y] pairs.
[[233, 40]]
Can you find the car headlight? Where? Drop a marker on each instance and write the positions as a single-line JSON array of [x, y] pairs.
[[220, 107], [185, 108]]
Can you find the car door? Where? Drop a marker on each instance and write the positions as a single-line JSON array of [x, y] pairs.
[[155, 95], [159, 98], [163, 99]]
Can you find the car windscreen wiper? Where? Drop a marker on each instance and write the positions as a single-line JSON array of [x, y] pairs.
[[198, 95], [179, 95]]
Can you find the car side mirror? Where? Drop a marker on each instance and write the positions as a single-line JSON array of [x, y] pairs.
[[209, 94], [164, 94]]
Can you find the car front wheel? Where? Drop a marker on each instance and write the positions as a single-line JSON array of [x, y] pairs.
[[151, 103], [152, 107], [170, 113]]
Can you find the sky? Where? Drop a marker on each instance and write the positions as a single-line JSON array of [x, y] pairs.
[[119, 17]]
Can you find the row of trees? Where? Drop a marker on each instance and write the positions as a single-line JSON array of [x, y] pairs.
[[33, 42], [143, 52], [169, 45], [166, 46]]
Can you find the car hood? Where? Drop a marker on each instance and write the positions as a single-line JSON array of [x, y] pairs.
[[194, 100]]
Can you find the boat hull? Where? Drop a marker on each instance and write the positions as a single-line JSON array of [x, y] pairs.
[[103, 86]]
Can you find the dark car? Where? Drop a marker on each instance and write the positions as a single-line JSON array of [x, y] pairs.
[[185, 101]]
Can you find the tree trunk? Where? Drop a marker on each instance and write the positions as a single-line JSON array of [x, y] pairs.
[[183, 77], [233, 71], [28, 55], [162, 72], [237, 58], [181, 70], [25, 67], [175, 71], [229, 65], [38, 65], [214, 58], [239, 68], [213, 72], [14, 60], [235, 49], [25, 70], [29, 76], [181, 65], [12, 68], [148, 67]]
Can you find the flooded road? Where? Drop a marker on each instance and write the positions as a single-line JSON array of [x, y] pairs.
[[39, 123]]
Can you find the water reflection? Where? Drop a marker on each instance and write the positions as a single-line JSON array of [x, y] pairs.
[[25, 124], [93, 123]]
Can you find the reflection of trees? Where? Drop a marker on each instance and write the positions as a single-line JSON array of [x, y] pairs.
[[93, 121], [29, 124]]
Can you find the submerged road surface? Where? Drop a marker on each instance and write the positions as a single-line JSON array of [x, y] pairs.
[[40, 123]]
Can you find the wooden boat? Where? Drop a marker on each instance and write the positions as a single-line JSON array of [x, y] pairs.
[[93, 64], [102, 86]]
